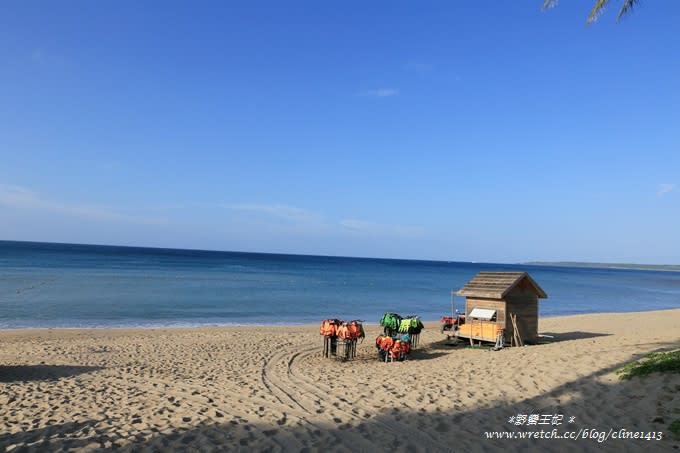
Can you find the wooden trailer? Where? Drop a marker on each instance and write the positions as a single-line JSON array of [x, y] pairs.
[[492, 299]]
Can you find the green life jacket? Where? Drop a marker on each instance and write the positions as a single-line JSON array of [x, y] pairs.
[[391, 321], [405, 326], [416, 325]]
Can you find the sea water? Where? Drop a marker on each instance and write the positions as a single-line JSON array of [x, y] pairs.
[[66, 285]]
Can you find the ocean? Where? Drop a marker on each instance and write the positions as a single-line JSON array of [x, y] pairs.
[[66, 285]]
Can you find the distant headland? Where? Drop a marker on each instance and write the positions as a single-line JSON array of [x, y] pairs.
[[632, 266]]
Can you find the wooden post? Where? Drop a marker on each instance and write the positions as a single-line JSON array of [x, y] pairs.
[[519, 334], [514, 330], [516, 333]]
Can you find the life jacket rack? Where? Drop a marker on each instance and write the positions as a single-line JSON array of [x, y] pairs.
[[340, 338], [393, 348]]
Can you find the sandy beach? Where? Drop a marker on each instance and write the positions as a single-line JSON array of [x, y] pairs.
[[270, 389]]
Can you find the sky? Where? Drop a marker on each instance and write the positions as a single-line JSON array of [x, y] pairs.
[[458, 131]]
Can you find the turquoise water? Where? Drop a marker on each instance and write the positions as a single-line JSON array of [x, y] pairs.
[[60, 285]]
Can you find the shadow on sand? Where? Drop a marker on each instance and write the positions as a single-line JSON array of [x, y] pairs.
[[14, 373], [50, 438], [544, 338], [549, 337]]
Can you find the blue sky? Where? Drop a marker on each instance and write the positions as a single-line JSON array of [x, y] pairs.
[[470, 131]]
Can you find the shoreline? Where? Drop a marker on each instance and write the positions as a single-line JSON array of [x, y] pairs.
[[430, 322], [259, 389]]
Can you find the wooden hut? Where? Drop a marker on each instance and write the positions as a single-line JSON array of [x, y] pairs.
[[491, 299]]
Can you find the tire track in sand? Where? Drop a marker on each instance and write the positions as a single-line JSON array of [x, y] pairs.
[[294, 394], [271, 379], [283, 374]]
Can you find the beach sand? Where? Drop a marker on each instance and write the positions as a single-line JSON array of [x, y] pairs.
[[270, 389]]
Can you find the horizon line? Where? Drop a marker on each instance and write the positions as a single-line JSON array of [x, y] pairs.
[[541, 263]]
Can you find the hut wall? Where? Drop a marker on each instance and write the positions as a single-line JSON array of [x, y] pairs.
[[492, 304], [523, 303], [479, 330]]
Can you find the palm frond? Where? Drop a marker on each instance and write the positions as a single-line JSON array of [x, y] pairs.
[[627, 6], [547, 4], [598, 8]]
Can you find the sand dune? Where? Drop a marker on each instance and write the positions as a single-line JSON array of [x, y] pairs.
[[269, 389]]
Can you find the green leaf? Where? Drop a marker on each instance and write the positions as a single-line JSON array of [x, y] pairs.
[[656, 362]]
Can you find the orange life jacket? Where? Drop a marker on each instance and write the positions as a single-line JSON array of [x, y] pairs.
[[395, 352], [384, 342], [356, 330], [343, 332], [405, 347], [329, 327]]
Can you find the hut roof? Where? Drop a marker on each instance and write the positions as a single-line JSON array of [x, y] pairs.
[[495, 285]]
